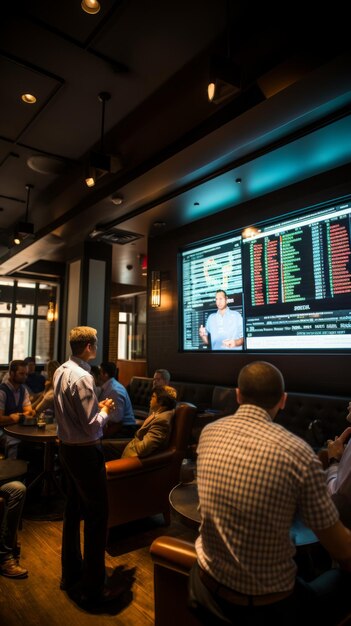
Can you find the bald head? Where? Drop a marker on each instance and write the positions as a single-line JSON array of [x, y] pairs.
[[260, 383]]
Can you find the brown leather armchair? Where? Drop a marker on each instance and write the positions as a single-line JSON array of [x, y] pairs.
[[140, 488], [173, 559]]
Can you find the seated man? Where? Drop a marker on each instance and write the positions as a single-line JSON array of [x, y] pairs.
[[155, 432], [121, 421], [34, 381], [253, 477], [337, 462], [14, 400], [14, 494], [161, 378]]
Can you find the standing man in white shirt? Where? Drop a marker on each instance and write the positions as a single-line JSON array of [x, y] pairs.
[[80, 422]]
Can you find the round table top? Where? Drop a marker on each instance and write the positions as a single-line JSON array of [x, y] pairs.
[[184, 499], [11, 469], [32, 433]]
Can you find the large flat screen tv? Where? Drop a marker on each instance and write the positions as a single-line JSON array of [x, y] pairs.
[[286, 285]]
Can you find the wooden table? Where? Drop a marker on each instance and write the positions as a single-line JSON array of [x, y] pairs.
[[47, 437], [12, 469]]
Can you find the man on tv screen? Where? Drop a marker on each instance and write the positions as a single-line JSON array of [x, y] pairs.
[[224, 328]]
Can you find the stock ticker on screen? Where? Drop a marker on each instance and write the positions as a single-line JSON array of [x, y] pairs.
[[291, 282], [297, 283]]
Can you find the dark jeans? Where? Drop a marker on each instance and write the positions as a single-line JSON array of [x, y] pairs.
[[323, 601], [86, 498], [14, 493]]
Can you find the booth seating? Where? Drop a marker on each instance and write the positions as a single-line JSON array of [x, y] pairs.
[[139, 487], [206, 397], [314, 417]]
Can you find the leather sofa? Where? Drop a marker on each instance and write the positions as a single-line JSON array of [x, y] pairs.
[[206, 397], [314, 417]]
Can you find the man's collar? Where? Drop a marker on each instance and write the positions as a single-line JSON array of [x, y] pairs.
[[84, 364]]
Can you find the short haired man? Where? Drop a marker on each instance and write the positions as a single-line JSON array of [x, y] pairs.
[[14, 401], [161, 377], [34, 381], [154, 434], [121, 421], [14, 493], [225, 327], [80, 422], [253, 478]]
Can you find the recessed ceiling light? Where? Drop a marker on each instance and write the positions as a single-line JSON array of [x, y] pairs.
[[196, 203], [28, 98], [238, 180], [90, 6], [117, 199]]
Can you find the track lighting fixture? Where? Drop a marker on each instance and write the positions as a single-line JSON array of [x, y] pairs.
[[224, 80], [101, 163], [24, 229], [224, 72]]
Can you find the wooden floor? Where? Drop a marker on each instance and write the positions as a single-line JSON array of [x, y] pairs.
[[38, 600]]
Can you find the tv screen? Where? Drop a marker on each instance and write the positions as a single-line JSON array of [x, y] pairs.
[[285, 286]]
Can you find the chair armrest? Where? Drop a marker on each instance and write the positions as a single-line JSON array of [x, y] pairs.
[[133, 464], [173, 553], [119, 467]]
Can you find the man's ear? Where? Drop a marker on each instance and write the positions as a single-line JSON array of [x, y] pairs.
[[239, 397], [283, 400]]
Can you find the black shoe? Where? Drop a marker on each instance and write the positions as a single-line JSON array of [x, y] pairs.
[[108, 594]]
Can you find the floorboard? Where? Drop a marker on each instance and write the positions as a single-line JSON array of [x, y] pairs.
[[38, 601]]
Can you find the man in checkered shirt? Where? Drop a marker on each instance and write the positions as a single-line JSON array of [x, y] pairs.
[[253, 478]]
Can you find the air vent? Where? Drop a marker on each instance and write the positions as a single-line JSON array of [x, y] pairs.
[[113, 235]]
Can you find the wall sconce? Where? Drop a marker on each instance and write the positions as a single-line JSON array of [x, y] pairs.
[[155, 288], [51, 312]]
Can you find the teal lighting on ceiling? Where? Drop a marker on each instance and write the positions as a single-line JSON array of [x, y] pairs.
[[323, 150], [215, 195]]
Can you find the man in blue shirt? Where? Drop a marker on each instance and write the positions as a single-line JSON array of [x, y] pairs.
[[34, 381], [121, 421], [224, 327]]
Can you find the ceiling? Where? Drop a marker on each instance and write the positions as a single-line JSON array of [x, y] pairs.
[[176, 156]]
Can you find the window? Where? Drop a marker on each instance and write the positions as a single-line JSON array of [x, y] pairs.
[[24, 328], [132, 327]]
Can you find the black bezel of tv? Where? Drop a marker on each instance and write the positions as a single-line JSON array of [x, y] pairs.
[[289, 279]]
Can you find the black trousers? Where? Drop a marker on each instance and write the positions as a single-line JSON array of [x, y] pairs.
[[323, 601], [86, 498]]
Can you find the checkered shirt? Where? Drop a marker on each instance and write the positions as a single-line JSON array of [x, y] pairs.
[[253, 478]]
